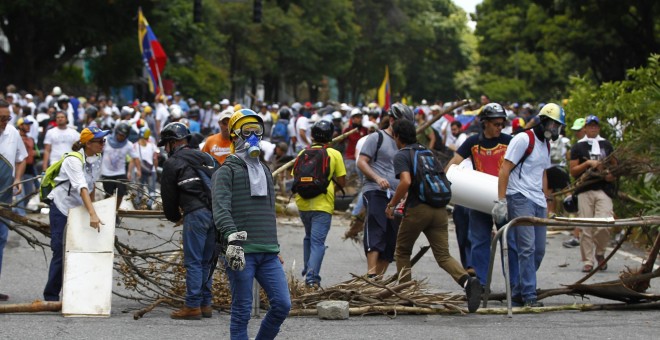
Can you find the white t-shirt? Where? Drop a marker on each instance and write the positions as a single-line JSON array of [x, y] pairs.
[[60, 141], [146, 152], [530, 181], [162, 114], [114, 160], [79, 177], [303, 124], [268, 150], [13, 148]]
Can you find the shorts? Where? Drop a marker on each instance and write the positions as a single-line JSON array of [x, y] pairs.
[[380, 232], [110, 187], [557, 178]]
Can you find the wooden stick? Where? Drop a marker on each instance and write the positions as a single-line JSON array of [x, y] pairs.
[[34, 307], [438, 116], [139, 314]]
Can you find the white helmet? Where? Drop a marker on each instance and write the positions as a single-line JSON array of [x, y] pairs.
[[356, 112], [175, 111]]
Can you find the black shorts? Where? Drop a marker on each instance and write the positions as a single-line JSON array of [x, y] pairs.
[[557, 178], [379, 231], [110, 187]]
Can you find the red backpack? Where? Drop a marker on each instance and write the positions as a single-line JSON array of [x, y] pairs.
[[528, 151]]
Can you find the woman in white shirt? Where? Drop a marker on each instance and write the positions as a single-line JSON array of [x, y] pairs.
[[75, 187]]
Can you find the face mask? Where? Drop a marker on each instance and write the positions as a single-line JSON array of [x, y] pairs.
[[551, 130], [253, 149]]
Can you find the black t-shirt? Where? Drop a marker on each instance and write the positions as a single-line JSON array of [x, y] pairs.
[[581, 151], [403, 161], [487, 153]]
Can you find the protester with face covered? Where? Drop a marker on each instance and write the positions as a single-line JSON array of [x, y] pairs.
[[114, 162], [244, 215]]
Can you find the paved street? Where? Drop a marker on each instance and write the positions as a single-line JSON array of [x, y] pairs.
[[25, 270]]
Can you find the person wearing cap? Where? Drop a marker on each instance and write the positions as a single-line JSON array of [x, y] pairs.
[[303, 135], [11, 170], [148, 153], [224, 104], [426, 137], [523, 191], [64, 104], [205, 114], [578, 131], [80, 169], [185, 195], [113, 166], [375, 161], [267, 118], [58, 140], [162, 114], [244, 215], [24, 125], [590, 159], [350, 156], [218, 145]]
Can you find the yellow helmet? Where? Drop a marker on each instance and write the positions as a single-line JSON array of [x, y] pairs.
[[554, 112], [237, 116]]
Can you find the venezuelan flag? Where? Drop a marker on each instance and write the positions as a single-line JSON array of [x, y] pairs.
[[384, 91], [153, 54]]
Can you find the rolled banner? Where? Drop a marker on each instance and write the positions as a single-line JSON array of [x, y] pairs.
[[472, 189]]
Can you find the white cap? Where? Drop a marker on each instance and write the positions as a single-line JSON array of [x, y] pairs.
[[224, 102], [275, 107], [57, 91], [424, 102], [336, 115], [435, 108], [29, 96], [355, 112], [344, 107]]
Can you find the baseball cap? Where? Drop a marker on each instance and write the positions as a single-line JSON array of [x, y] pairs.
[[22, 121], [224, 102], [88, 134], [591, 119], [578, 124]]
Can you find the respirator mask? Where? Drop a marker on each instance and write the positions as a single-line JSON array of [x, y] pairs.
[[551, 129], [250, 134]]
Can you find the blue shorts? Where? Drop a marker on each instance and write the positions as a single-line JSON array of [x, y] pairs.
[[379, 231]]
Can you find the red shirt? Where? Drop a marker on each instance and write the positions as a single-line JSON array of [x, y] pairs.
[[351, 141]]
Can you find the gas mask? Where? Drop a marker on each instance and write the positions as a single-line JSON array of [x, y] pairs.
[[250, 136], [551, 130]]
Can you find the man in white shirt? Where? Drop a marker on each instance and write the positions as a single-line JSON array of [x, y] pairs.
[[12, 166], [303, 131], [58, 140], [113, 167]]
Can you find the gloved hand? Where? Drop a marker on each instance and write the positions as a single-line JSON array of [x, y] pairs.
[[235, 255], [500, 213]]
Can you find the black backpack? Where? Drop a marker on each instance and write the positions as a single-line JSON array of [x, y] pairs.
[[310, 173], [429, 179]]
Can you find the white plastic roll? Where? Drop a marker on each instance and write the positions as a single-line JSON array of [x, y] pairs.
[[472, 189]]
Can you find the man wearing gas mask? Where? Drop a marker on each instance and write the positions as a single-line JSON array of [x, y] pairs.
[[522, 188], [244, 215]]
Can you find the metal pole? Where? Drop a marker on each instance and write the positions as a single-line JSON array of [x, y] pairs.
[[256, 308], [491, 265], [505, 258]]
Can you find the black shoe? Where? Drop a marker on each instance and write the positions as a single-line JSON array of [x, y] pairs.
[[573, 242], [517, 301], [533, 303], [4, 297], [473, 293]]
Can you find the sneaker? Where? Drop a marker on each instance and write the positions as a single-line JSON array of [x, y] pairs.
[[587, 268], [517, 301], [533, 303], [572, 243], [601, 259], [4, 297], [207, 311], [473, 293]]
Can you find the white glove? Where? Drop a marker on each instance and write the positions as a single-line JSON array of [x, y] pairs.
[[234, 254], [500, 213]]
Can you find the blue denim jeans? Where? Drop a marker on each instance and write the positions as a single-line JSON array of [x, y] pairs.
[[359, 205], [28, 188], [461, 216], [269, 272], [4, 234], [198, 246], [54, 283], [480, 235], [530, 242], [148, 184], [317, 226], [5, 197]]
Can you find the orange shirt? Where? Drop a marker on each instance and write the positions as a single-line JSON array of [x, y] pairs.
[[218, 147]]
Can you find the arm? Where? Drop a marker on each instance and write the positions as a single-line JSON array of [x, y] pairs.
[[303, 136], [399, 194], [155, 161], [94, 220], [457, 159], [138, 167], [341, 180], [548, 194], [431, 137], [363, 165], [46, 157], [20, 170], [222, 198], [578, 169], [503, 178], [169, 194]]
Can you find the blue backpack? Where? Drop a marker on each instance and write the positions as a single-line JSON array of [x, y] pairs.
[[430, 182], [280, 132]]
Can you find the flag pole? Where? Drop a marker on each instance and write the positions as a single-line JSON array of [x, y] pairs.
[[160, 80]]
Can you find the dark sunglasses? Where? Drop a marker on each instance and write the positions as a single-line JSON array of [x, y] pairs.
[[499, 125], [102, 141]]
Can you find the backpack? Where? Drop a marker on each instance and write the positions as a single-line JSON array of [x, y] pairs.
[[528, 151], [280, 132], [310, 173], [429, 179], [48, 181], [204, 171]]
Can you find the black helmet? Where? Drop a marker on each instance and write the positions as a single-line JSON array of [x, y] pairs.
[[492, 111], [284, 113], [322, 131], [400, 111], [122, 129], [173, 131], [91, 111]]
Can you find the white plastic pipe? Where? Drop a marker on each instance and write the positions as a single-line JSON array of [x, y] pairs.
[[472, 189]]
